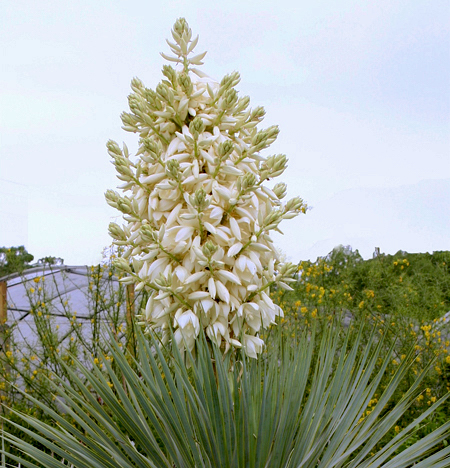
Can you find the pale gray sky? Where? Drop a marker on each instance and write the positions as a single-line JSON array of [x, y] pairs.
[[360, 90]]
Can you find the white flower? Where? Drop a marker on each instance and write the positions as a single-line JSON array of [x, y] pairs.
[[197, 213], [252, 345]]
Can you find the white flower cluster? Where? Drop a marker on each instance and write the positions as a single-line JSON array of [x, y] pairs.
[[198, 216]]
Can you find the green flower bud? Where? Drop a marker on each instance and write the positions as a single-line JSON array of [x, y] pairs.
[[280, 190], [112, 198], [113, 148], [148, 234], [163, 282], [125, 205], [257, 114], [209, 249], [273, 218], [129, 122], [287, 269], [135, 103], [181, 29], [196, 127], [230, 99], [123, 166], [295, 205], [171, 74], [137, 86], [199, 200], [273, 166], [173, 169], [116, 232], [242, 104], [122, 265], [246, 182], [186, 84], [225, 148], [229, 81], [152, 148], [152, 99], [165, 93], [265, 138]]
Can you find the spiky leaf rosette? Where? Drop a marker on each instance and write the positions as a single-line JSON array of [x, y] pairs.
[[199, 212]]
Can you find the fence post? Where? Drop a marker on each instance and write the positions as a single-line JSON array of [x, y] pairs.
[[3, 316], [4, 338]]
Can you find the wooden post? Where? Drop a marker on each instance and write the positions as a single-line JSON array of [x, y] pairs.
[[3, 316], [3, 305], [130, 319], [4, 338]]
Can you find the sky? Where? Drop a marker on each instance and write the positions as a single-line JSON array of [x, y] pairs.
[[359, 89]]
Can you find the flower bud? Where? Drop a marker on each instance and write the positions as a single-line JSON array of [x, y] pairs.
[[152, 99], [135, 103], [295, 204], [242, 104], [116, 232], [229, 81], [152, 147], [181, 30], [280, 190], [163, 282], [170, 73], [122, 265], [129, 122], [123, 167], [148, 234], [137, 86], [287, 269], [186, 84], [125, 205], [273, 166], [229, 100], [225, 149], [209, 249], [165, 93], [246, 182], [265, 138], [173, 169], [273, 218], [113, 148], [199, 200], [257, 114], [196, 127], [112, 198]]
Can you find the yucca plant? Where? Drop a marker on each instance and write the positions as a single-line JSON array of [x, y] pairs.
[[296, 406]]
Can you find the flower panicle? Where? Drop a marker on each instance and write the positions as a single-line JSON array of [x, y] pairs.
[[198, 213]]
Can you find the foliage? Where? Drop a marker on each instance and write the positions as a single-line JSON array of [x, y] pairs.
[[61, 337], [199, 212], [14, 260], [49, 260], [17, 260], [345, 287], [401, 285], [295, 406]]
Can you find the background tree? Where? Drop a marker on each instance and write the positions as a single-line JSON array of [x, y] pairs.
[[14, 260]]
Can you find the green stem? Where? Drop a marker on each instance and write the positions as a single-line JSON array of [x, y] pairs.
[[176, 259], [254, 293], [181, 300], [249, 242]]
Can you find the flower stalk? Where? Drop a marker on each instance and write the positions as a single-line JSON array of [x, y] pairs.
[[197, 211]]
